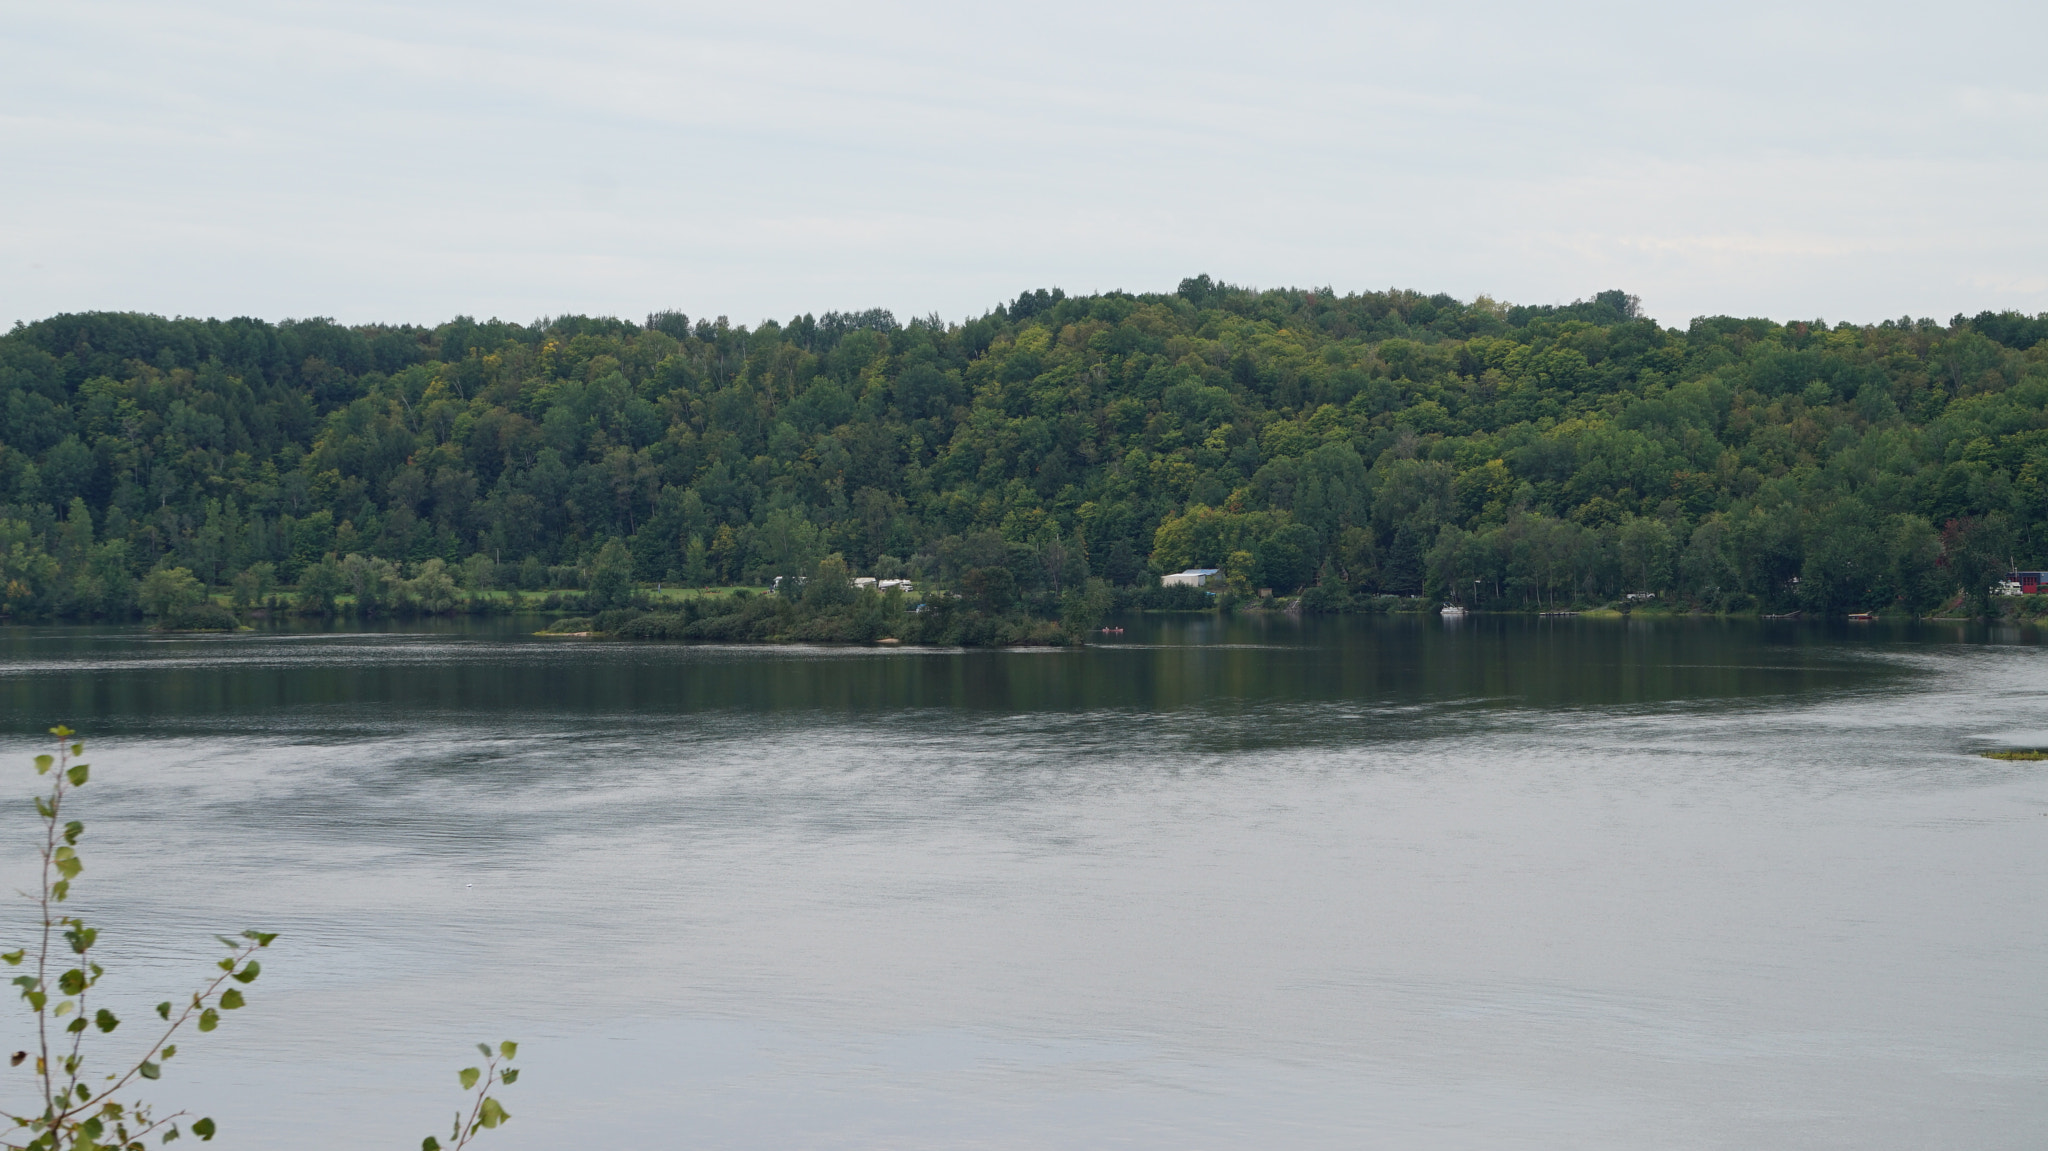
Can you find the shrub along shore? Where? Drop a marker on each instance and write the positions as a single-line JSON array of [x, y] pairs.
[[825, 612]]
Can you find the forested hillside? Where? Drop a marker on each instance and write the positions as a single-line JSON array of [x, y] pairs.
[[1387, 443]]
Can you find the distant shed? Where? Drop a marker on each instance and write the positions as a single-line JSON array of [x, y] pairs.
[[1193, 577]]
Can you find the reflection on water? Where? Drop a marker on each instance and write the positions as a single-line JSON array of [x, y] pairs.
[[1577, 883], [1161, 663]]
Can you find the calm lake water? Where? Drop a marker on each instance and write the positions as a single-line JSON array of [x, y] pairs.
[[1214, 884]]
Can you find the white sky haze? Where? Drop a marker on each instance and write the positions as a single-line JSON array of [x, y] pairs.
[[412, 162]]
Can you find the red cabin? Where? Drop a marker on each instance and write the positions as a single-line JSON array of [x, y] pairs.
[[2030, 582]]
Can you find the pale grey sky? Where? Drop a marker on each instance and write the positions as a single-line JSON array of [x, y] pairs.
[[409, 162]]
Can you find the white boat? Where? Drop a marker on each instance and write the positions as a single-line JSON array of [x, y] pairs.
[[1451, 611]]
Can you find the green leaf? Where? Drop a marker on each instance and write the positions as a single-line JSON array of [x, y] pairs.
[[44, 763], [492, 1113], [171, 1134], [430, 1144], [510, 1075], [104, 1020], [77, 1025], [170, 1050], [60, 890], [249, 972], [81, 938], [231, 999], [150, 1070], [78, 774], [203, 1129], [45, 810], [208, 1020], [72, 831], [36, 999], [469, 1076], [71, 982], [164, 1009], [262, 938], [13, 958], [76, 748], [508, 1049], [484, 1049]]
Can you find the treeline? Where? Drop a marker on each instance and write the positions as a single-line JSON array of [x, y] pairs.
[[1372, 444]]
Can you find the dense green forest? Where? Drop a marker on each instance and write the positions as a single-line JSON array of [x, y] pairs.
[[1346, 446]]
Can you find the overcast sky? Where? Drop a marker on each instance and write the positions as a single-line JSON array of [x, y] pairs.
[[412, 162]]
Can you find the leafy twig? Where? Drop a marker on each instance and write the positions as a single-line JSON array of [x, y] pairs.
[[485, 1111], [74, 1116]]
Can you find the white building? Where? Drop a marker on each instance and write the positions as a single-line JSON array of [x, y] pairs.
[[1193, 577]]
